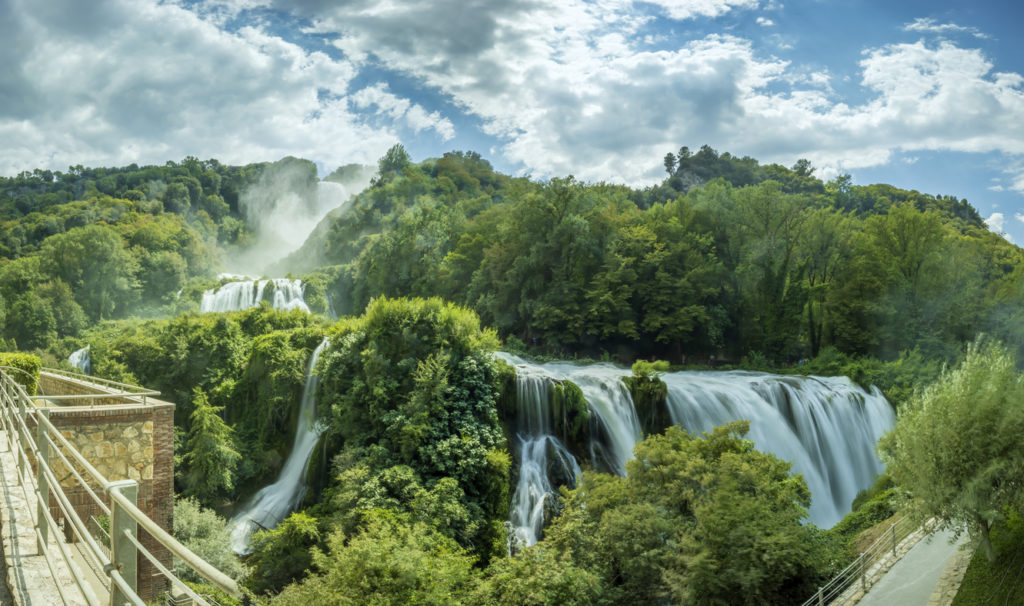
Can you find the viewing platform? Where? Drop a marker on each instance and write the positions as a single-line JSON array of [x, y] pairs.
[[100, 456]]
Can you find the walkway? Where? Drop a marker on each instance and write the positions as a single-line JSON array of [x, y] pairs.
[[28, 576], [915, 578]]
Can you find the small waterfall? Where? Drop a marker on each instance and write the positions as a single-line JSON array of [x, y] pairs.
[[541, 456], [827, 427], [80, 359], [235, 296], [271, 504]]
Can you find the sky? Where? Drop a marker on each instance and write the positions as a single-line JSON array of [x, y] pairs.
[[922, 95]]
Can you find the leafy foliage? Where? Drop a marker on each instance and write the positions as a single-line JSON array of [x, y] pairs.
[[695, 521], [956, 445], [26, 371], [210, 458], [206, 534]]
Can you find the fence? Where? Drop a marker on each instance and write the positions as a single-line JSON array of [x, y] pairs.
[[857, 571], [42, 447]]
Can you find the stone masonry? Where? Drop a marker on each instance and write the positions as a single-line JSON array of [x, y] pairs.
[[123, 440]]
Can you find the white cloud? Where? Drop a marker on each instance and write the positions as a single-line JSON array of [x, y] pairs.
[[1019, 217], [412, 114], [567, 87], [765, 22], [132, 81], [995, 222], [689, 9], [927, 25]]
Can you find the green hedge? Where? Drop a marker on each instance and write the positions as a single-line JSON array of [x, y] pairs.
[[29, 379]]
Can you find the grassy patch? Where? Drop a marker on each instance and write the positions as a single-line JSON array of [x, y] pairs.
[[1002, 581]]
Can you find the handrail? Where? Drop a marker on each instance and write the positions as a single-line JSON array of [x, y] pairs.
[[16, 407], [859, 568], [126, 387]]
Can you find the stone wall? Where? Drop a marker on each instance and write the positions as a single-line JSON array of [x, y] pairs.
[[123, 442]]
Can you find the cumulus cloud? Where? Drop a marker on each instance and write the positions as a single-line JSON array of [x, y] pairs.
[[135, 81], [996, 221], [576, 86], [765, 22], [398, 108], [567, 89]]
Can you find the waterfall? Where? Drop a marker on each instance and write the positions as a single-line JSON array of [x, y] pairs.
[[80, 359], [827, 427], [536, 445], [236, 296], [271, 504]]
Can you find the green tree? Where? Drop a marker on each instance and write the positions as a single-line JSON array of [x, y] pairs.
[[206, 534], [210, 458], [391, 561], [93, 261], [283, 554], [956, 446], [696, 521]]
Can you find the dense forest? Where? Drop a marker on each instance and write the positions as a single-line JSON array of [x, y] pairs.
[[416, 280]]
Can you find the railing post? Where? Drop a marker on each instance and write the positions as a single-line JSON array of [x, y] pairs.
[[23, 415], [894, 539], [124, 556], [42, 462], [863, 573], [821, 596]]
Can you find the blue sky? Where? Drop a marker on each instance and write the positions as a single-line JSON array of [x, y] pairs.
[[923, 95]]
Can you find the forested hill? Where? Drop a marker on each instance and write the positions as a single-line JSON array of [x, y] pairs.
[[751, 261], [725, 257]]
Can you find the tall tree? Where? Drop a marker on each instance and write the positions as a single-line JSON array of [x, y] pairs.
[[210, 456], [956, 446]]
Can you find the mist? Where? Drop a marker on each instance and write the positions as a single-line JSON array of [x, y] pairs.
[[284, 207]]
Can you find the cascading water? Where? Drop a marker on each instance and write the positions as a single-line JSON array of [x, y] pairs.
[[541, 456], [271, 504], [80, 359], [236, 296], [827, 427]]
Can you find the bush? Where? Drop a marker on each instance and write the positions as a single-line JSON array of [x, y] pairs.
[[205, 533], [27, 373]]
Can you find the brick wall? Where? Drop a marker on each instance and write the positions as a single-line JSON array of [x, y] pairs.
[[123, 441]]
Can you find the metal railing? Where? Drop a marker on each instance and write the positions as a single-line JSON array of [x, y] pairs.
[[858, 570], [46, 446], [110, 389]]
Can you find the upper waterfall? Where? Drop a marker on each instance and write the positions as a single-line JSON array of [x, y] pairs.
[[281, 293]]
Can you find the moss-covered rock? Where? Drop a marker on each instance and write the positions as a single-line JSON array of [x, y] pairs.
[[650, 395], [570, 415]]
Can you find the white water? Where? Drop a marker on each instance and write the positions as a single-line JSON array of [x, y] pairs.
[[236, 296], [80, 359], [541, 455], [827, 427], [271, 504]]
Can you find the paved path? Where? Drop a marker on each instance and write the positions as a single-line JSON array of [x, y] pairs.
[[913, 580]]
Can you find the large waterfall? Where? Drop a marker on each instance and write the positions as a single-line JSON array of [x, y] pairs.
[[827, 427], [281, 293], [271, 504]]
